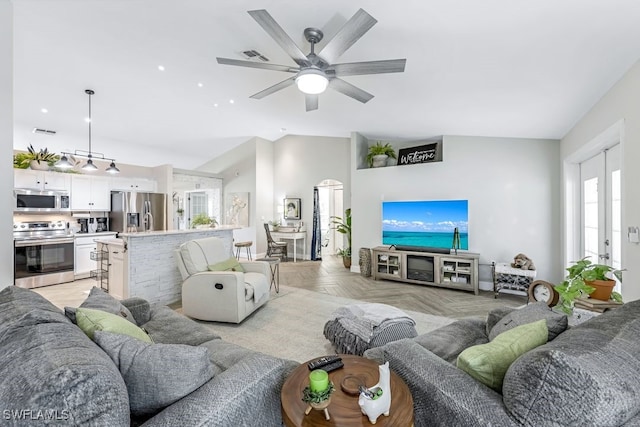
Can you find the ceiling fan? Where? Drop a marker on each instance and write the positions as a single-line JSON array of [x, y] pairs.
[[316, 72]]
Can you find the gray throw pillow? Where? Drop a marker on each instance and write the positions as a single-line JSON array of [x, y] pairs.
[[556, 322], [156, 375], [100, 300]]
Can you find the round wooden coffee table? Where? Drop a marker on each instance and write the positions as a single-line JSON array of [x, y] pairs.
[[344, 409]]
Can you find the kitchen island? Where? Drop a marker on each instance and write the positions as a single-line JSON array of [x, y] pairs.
[[150, 269]]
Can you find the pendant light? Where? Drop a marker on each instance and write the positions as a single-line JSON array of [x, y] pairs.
[[89, 166]]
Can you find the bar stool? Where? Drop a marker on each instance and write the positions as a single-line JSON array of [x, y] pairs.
[[240, 245]]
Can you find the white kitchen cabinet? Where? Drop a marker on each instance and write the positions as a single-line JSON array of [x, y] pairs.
[[84, 245], [116, 270], [41, 180], [90, 193], [83, 262], [132, 184]]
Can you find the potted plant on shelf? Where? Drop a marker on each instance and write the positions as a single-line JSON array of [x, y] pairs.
[[38, 160], [379, 153], [203, 221], [585, 278], [344, 226]]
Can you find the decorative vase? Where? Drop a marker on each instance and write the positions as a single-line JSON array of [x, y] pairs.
[[603, 289], [346, 261], [379, 160], [42, 166]]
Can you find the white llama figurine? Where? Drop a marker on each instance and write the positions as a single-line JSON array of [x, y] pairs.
[[372, 408]]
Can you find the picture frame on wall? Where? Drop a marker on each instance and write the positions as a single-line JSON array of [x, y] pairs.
[[292, 208]]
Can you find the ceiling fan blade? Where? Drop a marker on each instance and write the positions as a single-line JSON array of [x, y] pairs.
[[251, 64], [350, 90], [369, 67], [355, 28], [266, 21], [276, 87], [311, 102]]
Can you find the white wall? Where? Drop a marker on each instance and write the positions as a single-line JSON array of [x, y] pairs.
[[622, 102], [512, 186], [237, 168], [263, 191], [6, 136], [302, 162]]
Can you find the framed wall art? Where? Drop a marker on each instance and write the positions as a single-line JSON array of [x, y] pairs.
[[292, 208]]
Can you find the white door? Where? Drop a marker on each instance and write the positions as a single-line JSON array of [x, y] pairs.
[[601, 227]]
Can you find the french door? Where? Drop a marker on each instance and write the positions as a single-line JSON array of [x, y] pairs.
[[601, 228]]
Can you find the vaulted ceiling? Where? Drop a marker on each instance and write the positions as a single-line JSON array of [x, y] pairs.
[[489, 68]]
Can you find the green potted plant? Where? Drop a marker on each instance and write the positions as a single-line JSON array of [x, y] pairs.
[[203, 221], [583, 278], [39, 160], [344, 226], [379, 153]]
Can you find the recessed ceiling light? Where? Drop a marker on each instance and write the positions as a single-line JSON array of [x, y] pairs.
[[44, 110], [161, 67], [87, 119], [215, 105], [231, 101], [200, 84]]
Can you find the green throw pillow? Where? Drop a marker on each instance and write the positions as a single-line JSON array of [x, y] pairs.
[[231, 264], [90, 320], [488, 363]]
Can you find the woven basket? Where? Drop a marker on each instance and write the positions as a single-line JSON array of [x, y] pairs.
[[365, 262]]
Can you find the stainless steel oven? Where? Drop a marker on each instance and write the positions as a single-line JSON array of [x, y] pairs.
[[44, 254], [26, 200]]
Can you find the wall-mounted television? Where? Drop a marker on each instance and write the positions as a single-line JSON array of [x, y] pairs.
[[425, 224]]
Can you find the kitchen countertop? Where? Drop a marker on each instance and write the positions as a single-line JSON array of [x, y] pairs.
[[191, 230], [112, 241], [101, 233]]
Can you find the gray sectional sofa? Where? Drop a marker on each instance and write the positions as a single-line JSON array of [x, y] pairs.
[[588, 375], [53, 374]]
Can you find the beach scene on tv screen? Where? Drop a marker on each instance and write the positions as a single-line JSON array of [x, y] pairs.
[[425, 223]]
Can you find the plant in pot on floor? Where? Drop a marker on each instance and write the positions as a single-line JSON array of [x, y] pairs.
[[344, 226], [586, 278], [379, 153]]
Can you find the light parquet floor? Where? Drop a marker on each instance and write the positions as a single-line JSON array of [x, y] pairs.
[[332, 278]]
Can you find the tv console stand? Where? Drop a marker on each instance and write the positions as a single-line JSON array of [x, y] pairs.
[[455, 271]]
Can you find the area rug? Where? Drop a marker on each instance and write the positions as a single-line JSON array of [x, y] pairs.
[[290, 325]]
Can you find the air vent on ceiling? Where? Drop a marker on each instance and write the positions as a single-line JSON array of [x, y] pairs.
[[44, 131], [254, 55]]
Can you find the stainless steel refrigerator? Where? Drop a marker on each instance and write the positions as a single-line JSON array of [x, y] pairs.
[[137, 212]]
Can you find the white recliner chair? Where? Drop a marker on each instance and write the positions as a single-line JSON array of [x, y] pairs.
[[219, 296]]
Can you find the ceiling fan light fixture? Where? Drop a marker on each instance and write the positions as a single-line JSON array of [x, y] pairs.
[[312, 81]]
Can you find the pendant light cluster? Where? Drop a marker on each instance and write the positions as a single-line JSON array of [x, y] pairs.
[[64, 162]]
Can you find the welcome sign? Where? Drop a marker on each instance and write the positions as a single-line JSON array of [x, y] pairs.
[[421, 154]]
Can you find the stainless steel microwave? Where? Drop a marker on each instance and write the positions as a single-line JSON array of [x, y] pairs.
[[40, 201]]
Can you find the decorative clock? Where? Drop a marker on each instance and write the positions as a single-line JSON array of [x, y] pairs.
[[542, 291]]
